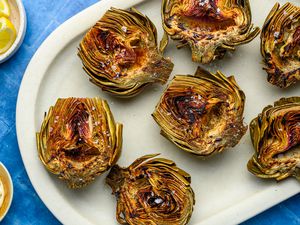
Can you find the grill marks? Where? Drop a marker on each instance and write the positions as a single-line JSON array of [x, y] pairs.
[[189, 108], [81, 153]]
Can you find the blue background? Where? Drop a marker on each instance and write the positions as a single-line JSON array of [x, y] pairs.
[[27, 208]]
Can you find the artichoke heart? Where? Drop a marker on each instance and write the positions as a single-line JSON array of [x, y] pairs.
[[275, 135], [202, 114], [120, 53], [152, 191], [280, 45], [209, 27], [79, 140]]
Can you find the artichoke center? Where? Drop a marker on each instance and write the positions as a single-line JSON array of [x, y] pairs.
[[291, 147], [125, 53], [206, 16], [80, 125], [190, 107], [155, 201], [291, 48], [81, 153], [165, 204]]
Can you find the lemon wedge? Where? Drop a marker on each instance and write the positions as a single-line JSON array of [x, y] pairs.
[[4, 8], [7, 34]]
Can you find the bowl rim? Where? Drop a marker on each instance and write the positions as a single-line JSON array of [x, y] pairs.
[[11, 190], [21, 33]]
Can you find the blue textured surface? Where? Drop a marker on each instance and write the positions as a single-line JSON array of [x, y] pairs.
[[43, 17]]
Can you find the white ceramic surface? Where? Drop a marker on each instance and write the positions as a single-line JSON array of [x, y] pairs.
[[19, 20], [226, 193], [6, 185]]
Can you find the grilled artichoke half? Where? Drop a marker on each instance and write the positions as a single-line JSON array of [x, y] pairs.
[[79, 140], [120, 53], [202, 114], [209, 27], [275, 135], [152, 191], [280, 45]]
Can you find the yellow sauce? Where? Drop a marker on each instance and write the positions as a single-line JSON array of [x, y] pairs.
[[1, 194], [5, 191]]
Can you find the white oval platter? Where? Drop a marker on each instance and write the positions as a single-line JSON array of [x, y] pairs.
[[226, 193]]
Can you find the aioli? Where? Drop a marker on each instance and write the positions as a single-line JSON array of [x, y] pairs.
[[1, 193]]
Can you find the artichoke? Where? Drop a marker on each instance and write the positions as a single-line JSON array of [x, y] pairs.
[[209, 27], [120, 53], [79, 140], [202, 114], [280, 45], [152, 191], [275, 135]]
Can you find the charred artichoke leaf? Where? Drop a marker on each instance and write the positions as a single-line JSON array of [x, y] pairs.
[[152, 191], [275, 135], [120, 53], [202, 114], [209, 27], [280, 45], [79, 140]]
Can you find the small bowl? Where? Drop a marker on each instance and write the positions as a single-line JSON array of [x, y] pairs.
[[8, 191], [18, 18]]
